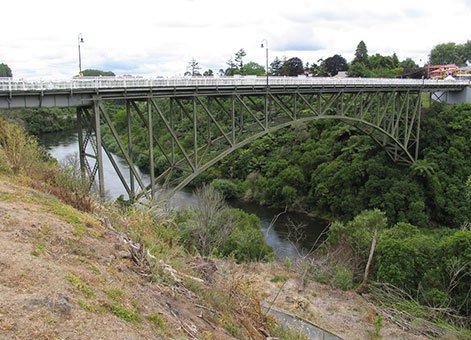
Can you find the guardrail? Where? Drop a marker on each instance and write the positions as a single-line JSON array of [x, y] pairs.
[[10, 85]]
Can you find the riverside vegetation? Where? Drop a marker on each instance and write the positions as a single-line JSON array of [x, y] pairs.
[[426, 270]]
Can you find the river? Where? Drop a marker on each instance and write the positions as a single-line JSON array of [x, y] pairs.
[[61, 145]]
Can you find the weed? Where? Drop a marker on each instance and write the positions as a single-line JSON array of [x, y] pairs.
[[80, 285], [135, 304], [114, 294], [91, 266], [39, 249], [279, 332], [232, 329], [206, 335], [83, 224], [91, 307], [4, 196], [124, 313], [77, 248], [43, 233], [279, 278], [156, 320], [342, 278], [321, 277], [378, 325], [288, 263], [51, 321]]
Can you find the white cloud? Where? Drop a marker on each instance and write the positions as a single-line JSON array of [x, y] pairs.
[[39, 38]]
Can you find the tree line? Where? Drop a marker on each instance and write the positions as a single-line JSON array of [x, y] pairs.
[[363, 64]]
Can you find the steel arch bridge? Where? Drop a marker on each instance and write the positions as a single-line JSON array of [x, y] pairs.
[[190, 124]]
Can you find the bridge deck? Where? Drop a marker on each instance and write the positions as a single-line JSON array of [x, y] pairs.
[[80, 91]]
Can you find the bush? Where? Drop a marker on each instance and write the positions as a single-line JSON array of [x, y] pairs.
[[227, 187], [214, 229], [342, 278], [246, 242], [357, 235], [403, 258], [19, 152]]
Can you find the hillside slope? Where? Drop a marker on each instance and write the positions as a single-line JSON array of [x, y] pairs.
[[65, 274]]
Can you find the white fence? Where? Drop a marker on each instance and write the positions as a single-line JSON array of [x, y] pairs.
[[93, 83]]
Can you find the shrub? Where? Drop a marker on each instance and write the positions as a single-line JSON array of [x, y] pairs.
[[404, 257], [213, 228], [342, 278], [227, 187], [19, 152], [246, 242]]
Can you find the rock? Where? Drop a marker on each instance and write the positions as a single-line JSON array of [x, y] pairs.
[[124, 254], [60, 305]]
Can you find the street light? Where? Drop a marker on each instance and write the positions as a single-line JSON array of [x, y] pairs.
[[266, 49], [80, 41], [267, 118]]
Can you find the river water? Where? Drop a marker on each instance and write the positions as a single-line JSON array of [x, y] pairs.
[[281, 236]]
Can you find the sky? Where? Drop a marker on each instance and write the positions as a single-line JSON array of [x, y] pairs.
[[148, 38]]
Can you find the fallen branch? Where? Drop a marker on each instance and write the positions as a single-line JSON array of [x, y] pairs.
[[174, 274]]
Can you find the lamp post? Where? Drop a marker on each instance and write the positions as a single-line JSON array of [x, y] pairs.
[[266, 95], [80, 41], [266, 49]]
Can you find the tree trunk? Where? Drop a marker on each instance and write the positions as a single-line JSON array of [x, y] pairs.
[[368, 264]]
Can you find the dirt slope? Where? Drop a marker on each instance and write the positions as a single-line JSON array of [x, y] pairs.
[[64, 275]]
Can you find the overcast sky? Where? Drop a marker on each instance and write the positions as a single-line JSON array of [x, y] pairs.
[[158, 38]]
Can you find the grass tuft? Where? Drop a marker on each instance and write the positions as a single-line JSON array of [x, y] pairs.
[[80, 285]]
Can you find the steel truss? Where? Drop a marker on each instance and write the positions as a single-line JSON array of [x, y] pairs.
[[187, 134]]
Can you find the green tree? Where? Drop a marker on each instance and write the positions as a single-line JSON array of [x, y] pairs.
[[468, 188], [408, 63], [377, 61], [5, 71], [96, 73], [193, 68], [449, 53], [359, 70], [395, 60], [252, 68], [465, 51], [334, 65], [361, 54], [239, 56], [276, 67], [292, 67]]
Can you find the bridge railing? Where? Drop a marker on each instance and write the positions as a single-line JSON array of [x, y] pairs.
[[10, 85]]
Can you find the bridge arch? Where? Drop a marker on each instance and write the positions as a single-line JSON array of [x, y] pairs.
[[191, 133], [349, 120]]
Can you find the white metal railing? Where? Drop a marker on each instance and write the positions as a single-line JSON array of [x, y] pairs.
[[92, 83]]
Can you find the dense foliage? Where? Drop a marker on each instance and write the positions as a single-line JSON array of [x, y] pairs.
[[5, 71], [334, 170], [37, 121], [379, 66], [451, 53], [96, 73], [431, 265]]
